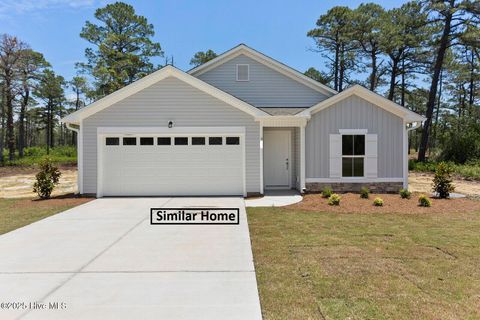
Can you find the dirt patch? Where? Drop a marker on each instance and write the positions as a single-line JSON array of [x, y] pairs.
[[20, 185], [422, 182], [9, 171], [352, 203]]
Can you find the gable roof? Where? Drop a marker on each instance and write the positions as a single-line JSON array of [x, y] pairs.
[[265, 60], [147, 81], [370, 96]]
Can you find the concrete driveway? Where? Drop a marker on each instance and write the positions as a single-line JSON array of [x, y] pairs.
[[103, 260]]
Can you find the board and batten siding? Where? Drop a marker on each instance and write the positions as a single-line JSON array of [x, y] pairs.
[[266, 87], [171, 99], [354, 113]]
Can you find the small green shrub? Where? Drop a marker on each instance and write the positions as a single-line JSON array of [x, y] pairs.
[[405, 194], [378, 202], [364, 193], [47, 179], [442, 181], [423, 201], [327, 192], [334, 200]]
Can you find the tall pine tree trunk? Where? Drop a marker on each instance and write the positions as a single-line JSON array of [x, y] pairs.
[[10, 125], [393, 79], [432, 96], [21, 122], [373, 75]]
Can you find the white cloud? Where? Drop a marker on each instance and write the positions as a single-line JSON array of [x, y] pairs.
[[25, 6]]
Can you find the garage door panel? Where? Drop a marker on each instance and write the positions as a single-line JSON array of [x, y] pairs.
[[172, 169]]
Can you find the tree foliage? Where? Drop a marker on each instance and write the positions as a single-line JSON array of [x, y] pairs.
[[122, 47], [201, 57]]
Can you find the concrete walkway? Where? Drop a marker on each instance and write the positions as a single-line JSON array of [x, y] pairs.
[[103, 260], [277, 198]]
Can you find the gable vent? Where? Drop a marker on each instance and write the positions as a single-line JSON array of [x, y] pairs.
[[243, 72]]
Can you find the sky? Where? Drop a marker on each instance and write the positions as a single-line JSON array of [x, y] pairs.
[[276, 28]]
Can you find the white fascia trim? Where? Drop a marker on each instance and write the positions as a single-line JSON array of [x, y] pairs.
[[282, 121], [352, 180], [168, 131], [370, 96], [353, 131], [266, 60], [165, 72]]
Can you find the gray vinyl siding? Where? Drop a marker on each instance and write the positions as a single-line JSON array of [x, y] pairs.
[[186, 106], [354, 113], [266, 88]]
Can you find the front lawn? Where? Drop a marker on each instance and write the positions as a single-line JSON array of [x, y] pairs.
[[16, 213], [325, 265]]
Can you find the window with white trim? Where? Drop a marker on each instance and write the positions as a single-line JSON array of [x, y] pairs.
[[243, 72], [353, 155]]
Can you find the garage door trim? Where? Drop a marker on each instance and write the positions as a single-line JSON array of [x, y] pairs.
[[102, 132]]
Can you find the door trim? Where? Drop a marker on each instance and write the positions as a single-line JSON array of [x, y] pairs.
[[102, 132], [290, 160]]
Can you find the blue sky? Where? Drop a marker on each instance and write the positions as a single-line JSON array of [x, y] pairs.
[[275, 28]]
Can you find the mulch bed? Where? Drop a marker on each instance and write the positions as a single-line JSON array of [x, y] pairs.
[[392, 203]]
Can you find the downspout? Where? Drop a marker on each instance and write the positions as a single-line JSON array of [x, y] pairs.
[[414, 126]]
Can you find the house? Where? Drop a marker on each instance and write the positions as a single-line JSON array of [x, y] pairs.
[[239, 124]]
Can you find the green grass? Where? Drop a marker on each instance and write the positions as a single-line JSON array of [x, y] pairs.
[[16, 213], [66, 155], [469, 170], [313, 265]]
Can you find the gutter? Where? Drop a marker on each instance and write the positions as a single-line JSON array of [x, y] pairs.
[[415, 125]]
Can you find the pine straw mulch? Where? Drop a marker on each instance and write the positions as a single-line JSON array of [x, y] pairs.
[[392, 203]]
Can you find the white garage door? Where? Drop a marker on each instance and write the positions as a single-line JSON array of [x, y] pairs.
[[176, 164]]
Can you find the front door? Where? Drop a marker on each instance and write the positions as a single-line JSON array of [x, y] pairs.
[[276, 159]]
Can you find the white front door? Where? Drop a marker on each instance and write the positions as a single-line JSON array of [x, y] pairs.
[[276, 159]]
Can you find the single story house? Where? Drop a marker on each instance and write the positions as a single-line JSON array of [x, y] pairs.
[[239, 124]]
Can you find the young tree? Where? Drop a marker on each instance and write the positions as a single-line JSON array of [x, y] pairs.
[[122, 47], [31, 66], [333, 37], [11, 49], [201, 57], [51, 92], [454, 17]]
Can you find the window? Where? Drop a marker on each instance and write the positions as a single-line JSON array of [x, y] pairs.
[[146, 141], [181, 141], [232, 140], [197, 141], [215, 140], [353, 155], [164, 141], [109, 141], [129, 141], [243, 72]]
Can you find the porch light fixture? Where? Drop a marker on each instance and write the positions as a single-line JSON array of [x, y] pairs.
[[170, 124]]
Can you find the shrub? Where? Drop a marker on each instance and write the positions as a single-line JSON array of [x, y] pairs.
[[47, 179], [423, 201], [378, 202], [405, 194], [442, 181], [327, 192], [334, 200], [364, 193]]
